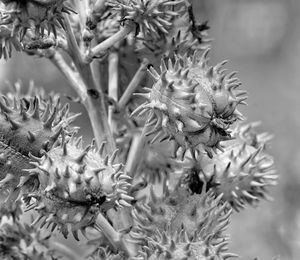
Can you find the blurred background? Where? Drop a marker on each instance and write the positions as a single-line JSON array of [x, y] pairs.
[[261, 38]]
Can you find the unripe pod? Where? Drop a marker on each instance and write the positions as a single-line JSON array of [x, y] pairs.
[[76, 183], [193, 103], [41, 16], [198, 218]]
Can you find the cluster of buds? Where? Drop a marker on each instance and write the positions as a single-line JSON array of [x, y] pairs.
[[181, 134]]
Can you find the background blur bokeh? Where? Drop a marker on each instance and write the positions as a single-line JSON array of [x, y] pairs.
[[261, 38]]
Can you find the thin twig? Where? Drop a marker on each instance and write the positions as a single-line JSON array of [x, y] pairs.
[[133, 85]]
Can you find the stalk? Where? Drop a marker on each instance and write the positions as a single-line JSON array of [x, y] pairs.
[[113, 64], [134, 84], [95, 100], [129, 26]]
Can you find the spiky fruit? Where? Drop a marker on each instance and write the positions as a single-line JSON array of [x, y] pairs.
[[40, 16], [241, 174], [152, 17], [184, 37], [193, 103], [76, 183], [180, 247], [201, 216]]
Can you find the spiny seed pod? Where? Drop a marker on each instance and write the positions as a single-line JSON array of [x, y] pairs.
[[7, 42], [40, 16], [243, 172], [47, 101], [179, 246], [180, 40], [192, 103], [152, 17], [28, 129], [201, 216], [76, 183]]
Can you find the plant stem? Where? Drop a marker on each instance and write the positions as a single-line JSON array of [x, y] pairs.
[[136, 149], [113, 78], [72, 77], [95, 100], [105, 45], [134, 84], [116, 239]]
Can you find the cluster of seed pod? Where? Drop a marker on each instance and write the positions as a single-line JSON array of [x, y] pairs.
[[34, 134], [25, 132], [192, 103]]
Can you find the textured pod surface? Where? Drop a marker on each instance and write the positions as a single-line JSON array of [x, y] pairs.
[[193, 103], [76, 183]]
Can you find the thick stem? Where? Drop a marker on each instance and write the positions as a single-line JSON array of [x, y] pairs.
[[95, 100], [113, 78], [117, 240], [108, 43], [134, 84]]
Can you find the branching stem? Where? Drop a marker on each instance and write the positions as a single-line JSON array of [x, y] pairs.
[[95, 100], [99, 49]]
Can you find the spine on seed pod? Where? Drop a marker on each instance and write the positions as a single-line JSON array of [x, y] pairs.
[[192, 103]]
